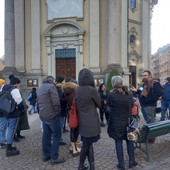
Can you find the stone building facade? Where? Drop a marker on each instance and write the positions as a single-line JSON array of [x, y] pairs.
[[160, 63], [60, 37]]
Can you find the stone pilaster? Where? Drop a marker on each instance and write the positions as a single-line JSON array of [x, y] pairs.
[[9, 59], [94, 35], [35, 36], [19, 35], [114, 32]]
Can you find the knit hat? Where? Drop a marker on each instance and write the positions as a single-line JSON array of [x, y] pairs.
[[60, 79], [14, 80], [11, 76], [2, 81]]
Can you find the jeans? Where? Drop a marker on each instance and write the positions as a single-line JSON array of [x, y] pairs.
[[149, 114], [164, 106], [51, 137], [119, 151], [12, 124], [3, 127], [33, 108]]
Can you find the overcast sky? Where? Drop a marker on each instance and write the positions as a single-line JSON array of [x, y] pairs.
[[160, 28]]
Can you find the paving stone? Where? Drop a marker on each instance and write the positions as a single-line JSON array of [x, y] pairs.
[[104, 151]]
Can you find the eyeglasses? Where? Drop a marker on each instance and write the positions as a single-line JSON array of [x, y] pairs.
[[144, 75]]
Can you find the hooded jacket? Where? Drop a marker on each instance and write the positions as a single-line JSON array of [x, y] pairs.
[[87, 102]]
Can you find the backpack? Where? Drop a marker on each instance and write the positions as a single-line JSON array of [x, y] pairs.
[[29, 97], [7, 103]]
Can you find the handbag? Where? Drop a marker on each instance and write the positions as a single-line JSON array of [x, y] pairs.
[[73, 117], [133, 129], [133, 126]]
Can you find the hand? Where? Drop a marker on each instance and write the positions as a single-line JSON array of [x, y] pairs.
[[132, 88]]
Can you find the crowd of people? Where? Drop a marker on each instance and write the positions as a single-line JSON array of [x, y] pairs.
[[96, 108]]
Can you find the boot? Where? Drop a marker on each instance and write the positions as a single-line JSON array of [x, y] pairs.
[[91, 157], [11, 151], [83, 153]]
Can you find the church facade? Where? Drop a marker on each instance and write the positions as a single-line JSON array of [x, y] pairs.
[[60, 37]]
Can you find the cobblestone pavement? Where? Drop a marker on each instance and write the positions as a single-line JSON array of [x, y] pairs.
[[105, 157]]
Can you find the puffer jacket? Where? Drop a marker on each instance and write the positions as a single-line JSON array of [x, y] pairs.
[[87, 102], [48, 101]]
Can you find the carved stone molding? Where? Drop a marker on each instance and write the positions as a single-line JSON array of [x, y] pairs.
[[134, 58]]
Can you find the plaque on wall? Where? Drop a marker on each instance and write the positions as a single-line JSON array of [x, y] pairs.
[[64, 8]]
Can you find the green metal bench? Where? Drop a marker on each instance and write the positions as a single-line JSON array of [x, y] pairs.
[[150, 131]]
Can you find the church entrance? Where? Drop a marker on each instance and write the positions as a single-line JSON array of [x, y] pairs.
[[66, 62]]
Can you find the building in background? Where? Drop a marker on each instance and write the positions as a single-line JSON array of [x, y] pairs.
[[160, 63], [60, 37]]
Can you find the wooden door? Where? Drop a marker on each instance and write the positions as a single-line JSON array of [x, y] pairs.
[[66, 63]]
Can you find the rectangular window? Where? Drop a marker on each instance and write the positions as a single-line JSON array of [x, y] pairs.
[[65, 53]]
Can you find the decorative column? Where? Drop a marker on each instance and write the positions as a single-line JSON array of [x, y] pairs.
[[9, 34], [146, 34], [124, 41], [94, 35], [35, 36], [19, 35], [114, 32]]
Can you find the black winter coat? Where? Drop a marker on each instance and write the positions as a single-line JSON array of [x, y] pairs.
[[118, 115]]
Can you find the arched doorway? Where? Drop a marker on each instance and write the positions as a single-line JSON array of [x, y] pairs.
[[64, 42]]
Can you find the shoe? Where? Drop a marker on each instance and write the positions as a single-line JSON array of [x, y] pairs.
[[2, 145], [20, 137], [29, 112], [11, 151], [85, 167], [75, 154], [65, 131], [134, 164], [162, 119], [58, 161], [120, 167], [45, 159], [63, 143]]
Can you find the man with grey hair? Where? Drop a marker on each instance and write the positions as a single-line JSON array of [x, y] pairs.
[[49, 109]]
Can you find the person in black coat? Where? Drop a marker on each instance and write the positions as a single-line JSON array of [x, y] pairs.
[[103, 109], [119, 102], [33, 101]]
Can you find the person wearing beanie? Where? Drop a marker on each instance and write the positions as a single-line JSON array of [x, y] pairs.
[[13, 118], [14, 81], [3, 124]]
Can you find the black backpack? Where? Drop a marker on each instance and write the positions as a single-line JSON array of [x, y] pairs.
[[7, 103]]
